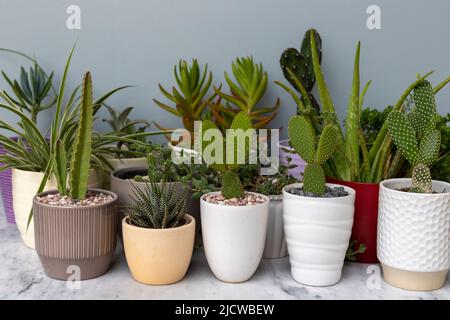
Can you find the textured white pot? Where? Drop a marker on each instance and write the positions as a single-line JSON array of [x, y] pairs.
[[275, 246], [317, 234], [233, 238], [414, 235], [25, 185]]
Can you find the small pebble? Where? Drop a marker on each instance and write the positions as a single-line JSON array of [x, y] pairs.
[[250, 199], [91, 199], [334, 192]]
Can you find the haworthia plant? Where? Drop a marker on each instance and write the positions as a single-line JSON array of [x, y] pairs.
[[231, 184], [416, 136], [314, 150]]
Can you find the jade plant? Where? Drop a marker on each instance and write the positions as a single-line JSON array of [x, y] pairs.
[[314, 150], [298, 66], [191, 97], [158, 206], [231, 185], [246, 91], [417, 137]]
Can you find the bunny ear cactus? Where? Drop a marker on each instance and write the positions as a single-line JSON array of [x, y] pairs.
[[231, 184], [315, 151], [416, 136]]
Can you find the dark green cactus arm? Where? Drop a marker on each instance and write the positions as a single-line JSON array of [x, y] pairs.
[[404, 135], [292, 59], [302, 137], [429, 147], [307, 53], [327, 144], [79, 166], [314, 179], [231, 185]]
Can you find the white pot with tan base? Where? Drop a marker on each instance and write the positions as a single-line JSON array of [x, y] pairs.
[[414, 235], [25, 185], [158, 256]]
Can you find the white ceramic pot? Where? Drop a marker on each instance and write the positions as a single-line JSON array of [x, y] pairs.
[[414, 235], [117, 163], [275, 246], [25, 185], [233, 238], [317, 234]]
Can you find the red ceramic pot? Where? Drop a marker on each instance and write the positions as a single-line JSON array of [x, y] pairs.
[[366, 218]]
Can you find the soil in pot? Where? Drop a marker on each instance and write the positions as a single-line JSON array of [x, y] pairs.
[[159, 256], [75, 238]]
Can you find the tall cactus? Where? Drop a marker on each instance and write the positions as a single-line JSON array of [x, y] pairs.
[[314, 150], [416, 136], [81, 154]]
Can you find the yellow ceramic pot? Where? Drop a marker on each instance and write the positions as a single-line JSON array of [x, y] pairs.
[[158, 256]]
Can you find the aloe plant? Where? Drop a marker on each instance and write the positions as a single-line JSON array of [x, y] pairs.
[[416, 136], [191, 97], [314, 150], [246, 91], [231, 184]]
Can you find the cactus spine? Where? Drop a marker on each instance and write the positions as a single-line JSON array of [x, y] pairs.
[[314, 150], [416, 136], [81, 154]]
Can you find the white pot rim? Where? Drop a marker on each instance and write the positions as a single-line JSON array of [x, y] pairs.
[[385, 184], [351, 192], [237, 207]]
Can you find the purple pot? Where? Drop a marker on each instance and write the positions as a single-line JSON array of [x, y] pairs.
[[6, 190], [287, 151]]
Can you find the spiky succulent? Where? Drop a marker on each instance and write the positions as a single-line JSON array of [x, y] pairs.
[[191, 97], [314, 150], [247, 90], [416, 136], [158, 206], [226, 160], [298, 65]]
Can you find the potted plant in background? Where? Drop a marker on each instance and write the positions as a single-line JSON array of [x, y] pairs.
[[75, 225], [414, 214], [297, 66], [158, 234], [234, 222], [272, 187], [318, 217], [32, 94]]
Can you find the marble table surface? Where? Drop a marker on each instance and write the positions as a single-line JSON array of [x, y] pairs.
[[22, 277]]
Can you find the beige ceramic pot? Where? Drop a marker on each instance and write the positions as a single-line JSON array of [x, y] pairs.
[[25, 185], [158, 256], [76, 243]]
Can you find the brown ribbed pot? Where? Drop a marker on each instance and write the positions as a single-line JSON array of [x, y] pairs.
[[71, 237]]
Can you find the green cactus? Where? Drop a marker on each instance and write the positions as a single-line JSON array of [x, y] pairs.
[[81, 154], [314, 150], [416, 136], [297, 66], [231, 184]]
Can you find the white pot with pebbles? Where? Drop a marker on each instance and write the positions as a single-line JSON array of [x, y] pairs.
[[234, 234]]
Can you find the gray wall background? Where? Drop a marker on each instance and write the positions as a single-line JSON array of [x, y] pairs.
[[138, 42]]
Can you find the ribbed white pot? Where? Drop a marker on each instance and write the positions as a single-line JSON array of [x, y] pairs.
[[275, 246], [414, 235], [317, 234], [233, 238], [25, 185]]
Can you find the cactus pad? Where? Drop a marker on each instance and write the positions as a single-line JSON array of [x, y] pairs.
[[327, 144], [404, 135], [425, 107], [231, 185], [429, 147], [421, 179], [302, 137], [314, 179]]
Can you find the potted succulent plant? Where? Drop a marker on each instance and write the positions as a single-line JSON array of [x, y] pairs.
[[75, 225], [234, 222], [318, 217], [158, 234], [272, 187], [30, 157], [414, 214], [32, 94]]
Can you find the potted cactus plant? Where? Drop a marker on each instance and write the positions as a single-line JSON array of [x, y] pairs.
[[234, 222], [415, 212], [318, 217], [158, 234], [75, 226]]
